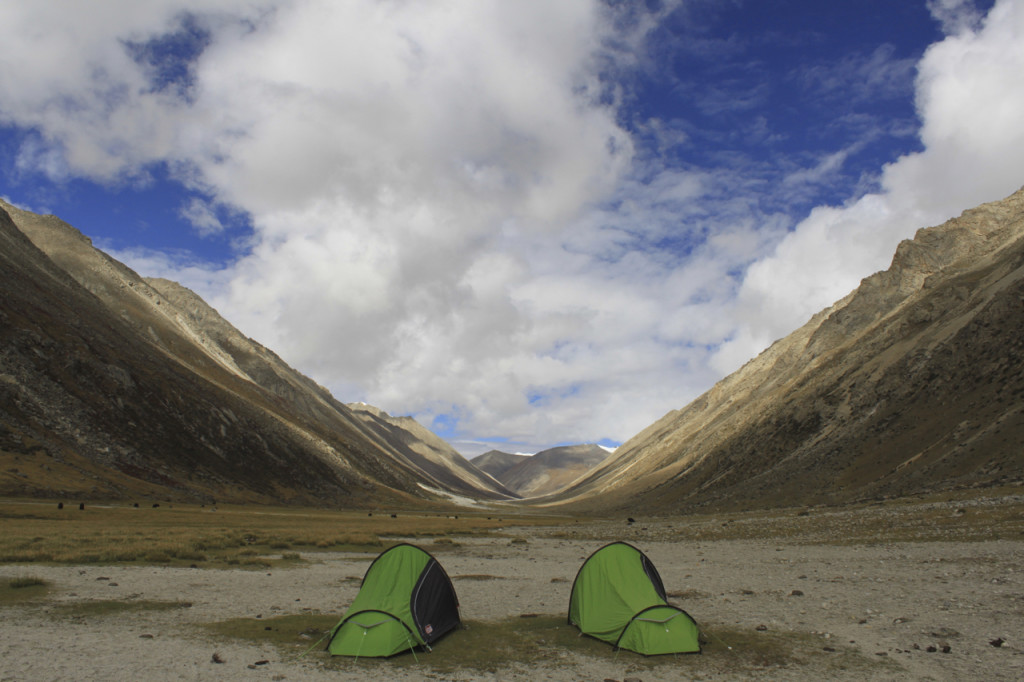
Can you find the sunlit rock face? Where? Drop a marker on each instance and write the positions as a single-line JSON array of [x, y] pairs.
[[911, 384]]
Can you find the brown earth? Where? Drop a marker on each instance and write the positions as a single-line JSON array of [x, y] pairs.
[[929, 590], [913, 383]]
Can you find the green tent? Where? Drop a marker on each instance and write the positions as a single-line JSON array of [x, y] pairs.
[[406, 600], [618, 597]]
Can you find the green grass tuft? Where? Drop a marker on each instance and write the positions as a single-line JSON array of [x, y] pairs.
[[112, 607], [547, 640], [22, 589]]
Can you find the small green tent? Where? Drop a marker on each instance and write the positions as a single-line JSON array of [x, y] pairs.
[[406, 600], [618, 597]]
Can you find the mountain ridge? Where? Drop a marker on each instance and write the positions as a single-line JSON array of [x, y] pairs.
[[496, 462], [791, 425], [117, 386], [543, 473], [152, 393]]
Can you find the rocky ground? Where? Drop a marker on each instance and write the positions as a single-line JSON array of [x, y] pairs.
[[792, 597]]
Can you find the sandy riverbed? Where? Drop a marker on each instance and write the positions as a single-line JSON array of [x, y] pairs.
[[858, 611]]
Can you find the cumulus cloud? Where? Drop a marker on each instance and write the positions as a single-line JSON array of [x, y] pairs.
[[450, 215], [203, 217], [955, 16], [968, 87]]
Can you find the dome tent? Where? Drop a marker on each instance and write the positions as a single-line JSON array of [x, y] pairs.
[[618, 597], [406, 600]]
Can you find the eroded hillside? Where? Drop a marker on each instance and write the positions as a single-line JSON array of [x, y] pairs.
[[912, 383], [113, 386]]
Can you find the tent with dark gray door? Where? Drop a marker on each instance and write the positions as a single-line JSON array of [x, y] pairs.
[[406, 601], [618, 597]]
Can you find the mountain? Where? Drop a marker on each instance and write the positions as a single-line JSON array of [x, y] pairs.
[[550, 470], [913, 383], [423, 449], [496, 462], [115, 386]]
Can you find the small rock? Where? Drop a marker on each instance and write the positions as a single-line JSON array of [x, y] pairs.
[[828, 649], [997, 642], [263, 662], [111, 584], [944, 633], [796, 593], [216, 658], [631, 679], [931, 649], [145, 636], [761, 628], [881, 653]]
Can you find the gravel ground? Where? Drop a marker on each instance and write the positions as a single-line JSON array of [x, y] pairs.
[[923, 610]]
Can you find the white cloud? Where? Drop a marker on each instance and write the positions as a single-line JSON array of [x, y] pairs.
[[969, 87], [203, 217], [448, 218], [955, 16], [860, 76]]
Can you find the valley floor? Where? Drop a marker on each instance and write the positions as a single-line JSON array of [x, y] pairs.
[[780, 598]]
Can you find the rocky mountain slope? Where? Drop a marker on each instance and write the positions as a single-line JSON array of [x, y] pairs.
[[913, 383], [547, 471], [113, 386], [496, 462], [423, 449]]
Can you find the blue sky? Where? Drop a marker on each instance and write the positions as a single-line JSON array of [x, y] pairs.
[[526, 223]]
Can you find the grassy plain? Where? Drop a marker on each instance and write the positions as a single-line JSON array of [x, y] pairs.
[[874, 582], [490, 647], [226, 536]]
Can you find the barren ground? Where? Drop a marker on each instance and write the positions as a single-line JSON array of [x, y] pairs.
[[877, 593]]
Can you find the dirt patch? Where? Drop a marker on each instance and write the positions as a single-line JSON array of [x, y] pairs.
[[776, 597]]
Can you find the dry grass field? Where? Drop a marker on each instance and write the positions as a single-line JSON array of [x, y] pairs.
[[905, 589], [213, 537]]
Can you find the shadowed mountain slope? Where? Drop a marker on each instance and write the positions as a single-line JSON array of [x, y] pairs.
[[911, 384], [423, 449], [551, 470], [496, 462], [112, 386]]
